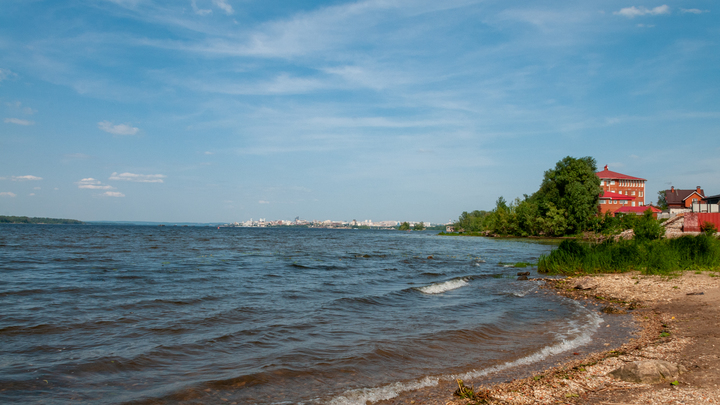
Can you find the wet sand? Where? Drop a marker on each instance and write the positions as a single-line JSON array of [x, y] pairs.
[[676, 323]]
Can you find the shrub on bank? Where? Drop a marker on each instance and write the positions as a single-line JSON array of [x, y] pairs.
[[658, 256]]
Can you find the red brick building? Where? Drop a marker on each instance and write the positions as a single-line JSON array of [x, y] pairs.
[[620, 190]]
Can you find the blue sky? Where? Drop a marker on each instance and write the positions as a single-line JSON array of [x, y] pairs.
[[226, 110]]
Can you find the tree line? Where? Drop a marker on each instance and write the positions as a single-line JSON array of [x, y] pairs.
[[565, 204], [5, 219]]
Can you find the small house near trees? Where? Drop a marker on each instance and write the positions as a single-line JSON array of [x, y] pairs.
[[680, 201]]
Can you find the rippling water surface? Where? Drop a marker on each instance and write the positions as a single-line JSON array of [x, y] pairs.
[[164, 315]]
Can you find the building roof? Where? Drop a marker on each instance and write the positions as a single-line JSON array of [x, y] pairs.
[[608, 195], [677, 196], [608, 174], [637, 210]]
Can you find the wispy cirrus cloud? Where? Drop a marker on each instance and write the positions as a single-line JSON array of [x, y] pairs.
[[119, 129], [224, 6], [632, 12], [112, 194], [18, 106], [18, 121], [8, 194], [199, 11], [6, 74], [76, 156], [138, 178], [93, 184], [693, 11]]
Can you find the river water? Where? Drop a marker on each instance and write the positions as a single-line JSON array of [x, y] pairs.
[[193, 315]]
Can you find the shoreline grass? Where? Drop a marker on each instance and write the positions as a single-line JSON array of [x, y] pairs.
[[660, 256]]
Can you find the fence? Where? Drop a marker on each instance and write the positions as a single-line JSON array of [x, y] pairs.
[[694, 220], [709, 208]]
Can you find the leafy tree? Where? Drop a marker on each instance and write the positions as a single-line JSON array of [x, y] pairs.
[[573, 187], [566, 203], [404, 226], [662, 202], [554, 223], [419, 226], [471, 222]]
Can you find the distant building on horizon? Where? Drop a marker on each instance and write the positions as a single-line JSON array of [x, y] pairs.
[[620, 190]]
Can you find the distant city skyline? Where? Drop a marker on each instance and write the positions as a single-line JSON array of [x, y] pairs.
[[217, 110]]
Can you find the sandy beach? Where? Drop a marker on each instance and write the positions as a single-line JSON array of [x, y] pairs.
[[680, 323]]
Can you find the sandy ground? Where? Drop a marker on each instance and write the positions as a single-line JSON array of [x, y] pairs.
[[679, 325]]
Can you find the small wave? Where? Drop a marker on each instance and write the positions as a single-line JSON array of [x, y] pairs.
[[363, 396], [593, 322], [439, 288], [23, 292], [432, 274], [521, 292]]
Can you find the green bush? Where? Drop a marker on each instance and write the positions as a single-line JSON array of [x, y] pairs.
[[708, 228], [647, 227]]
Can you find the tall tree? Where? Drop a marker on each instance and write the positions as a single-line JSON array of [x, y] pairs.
[[662, 202], [573, 187]]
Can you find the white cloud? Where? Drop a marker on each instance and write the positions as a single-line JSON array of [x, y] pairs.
[[693, 10], [18, 121], [7, 194], [223, 5], [36, 188], [138, 178], [31, 194], [646, 25], [263, 202], [24, 178], [632, 12], [120, 129], [208, 153], [93, 184], [113, 194], [5, 74]]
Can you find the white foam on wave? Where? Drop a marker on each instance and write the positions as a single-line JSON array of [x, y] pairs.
[[439, 288], [523, 293], [582, 332], [361, 396]]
